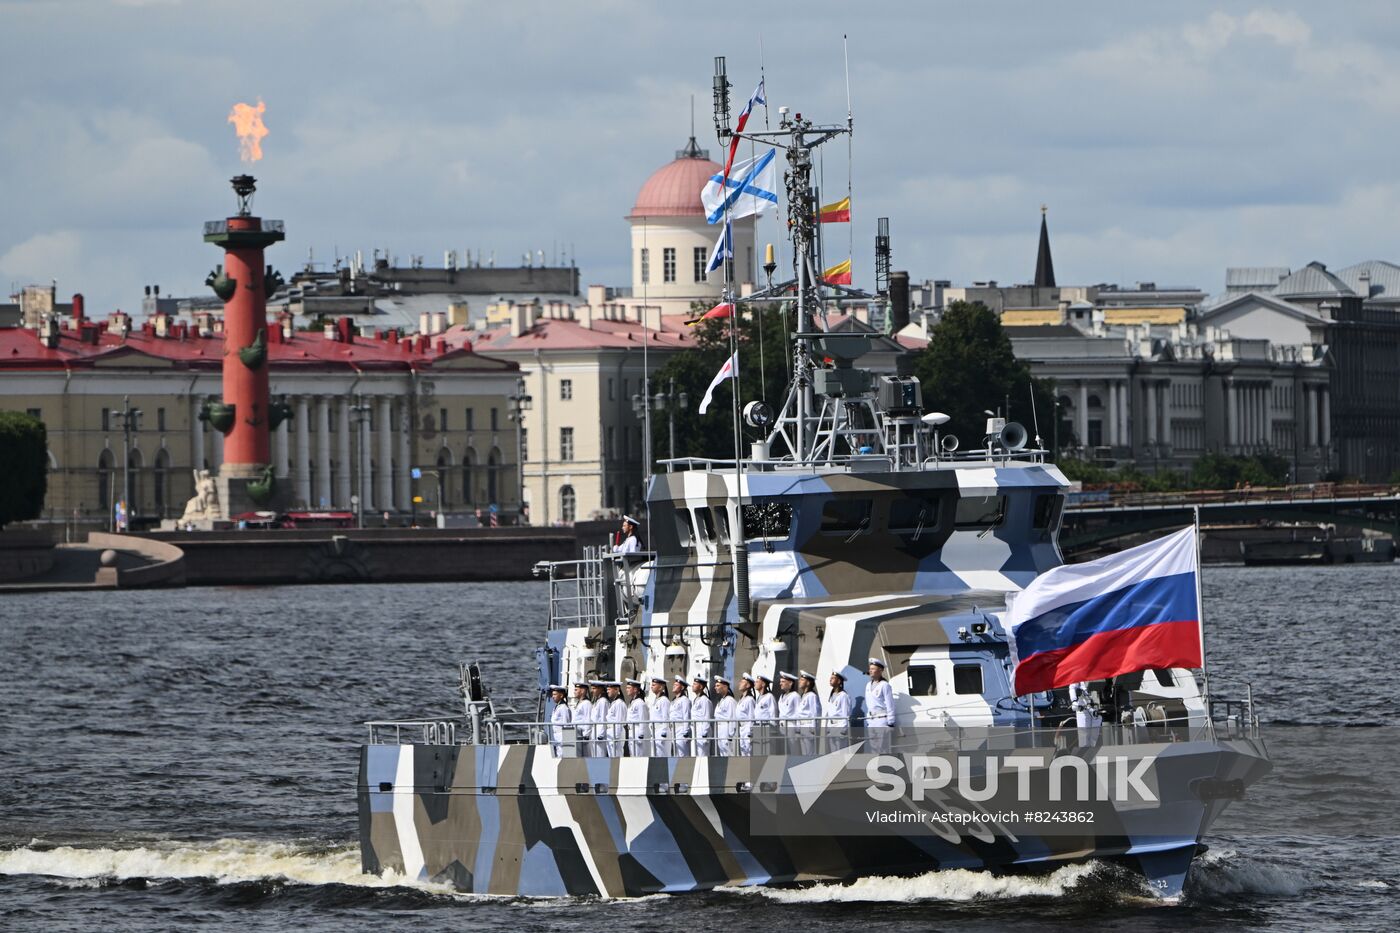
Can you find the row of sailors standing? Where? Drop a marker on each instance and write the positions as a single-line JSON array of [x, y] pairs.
[[611, 718]]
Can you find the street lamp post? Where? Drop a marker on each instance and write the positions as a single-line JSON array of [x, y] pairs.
[[669, 401], [359, 413], [520, 403], [130, 419]]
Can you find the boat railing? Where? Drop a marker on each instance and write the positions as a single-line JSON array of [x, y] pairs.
[[857, 462], [728, 737], [594, 590]]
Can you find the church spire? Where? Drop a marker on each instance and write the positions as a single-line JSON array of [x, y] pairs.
[[1044, 265]]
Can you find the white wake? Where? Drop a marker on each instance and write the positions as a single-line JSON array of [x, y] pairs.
[[955, 884], [226, 861]]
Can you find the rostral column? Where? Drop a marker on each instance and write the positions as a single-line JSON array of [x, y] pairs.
[[246, 414]]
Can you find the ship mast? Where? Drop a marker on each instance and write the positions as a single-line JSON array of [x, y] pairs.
[[798, 137]]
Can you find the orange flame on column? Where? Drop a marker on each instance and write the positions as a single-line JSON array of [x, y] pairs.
[[247, 122]]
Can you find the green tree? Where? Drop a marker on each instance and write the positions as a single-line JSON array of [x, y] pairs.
[[763, 374], [968, 369], [24, 466]]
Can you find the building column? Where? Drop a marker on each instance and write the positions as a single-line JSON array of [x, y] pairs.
[[279, 450], [385, 431], [343, 447], [1324, 431], [405, 496], [1125, 425], [1164, 395], [1111, 434], [1083, 413], [1232, 415], [1149, 402], [197, 432], [1308, 423], [365, 486], [323, 453], [216, 461], [302, 466]]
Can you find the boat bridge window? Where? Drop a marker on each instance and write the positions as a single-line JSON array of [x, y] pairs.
[[967, 678], [922, 681], [722, 524], [707, 525], [685, 528], [767, 521], [846, 516], [1047, 511], [914, 515], [980, 512], [1164, 676]]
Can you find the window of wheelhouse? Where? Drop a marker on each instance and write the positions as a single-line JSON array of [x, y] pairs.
[[1047, 511], [923, 681], [685, 528], [980, 512], [706, 526], [846, 516], [721, 516], [767, 521], [915, 515], [967, 678]]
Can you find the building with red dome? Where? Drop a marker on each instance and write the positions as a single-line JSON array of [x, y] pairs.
[[671, 242]]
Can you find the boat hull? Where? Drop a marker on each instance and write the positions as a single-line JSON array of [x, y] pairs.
[[517, 820]]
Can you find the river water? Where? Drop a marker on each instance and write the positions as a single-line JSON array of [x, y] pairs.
[[182, 758]]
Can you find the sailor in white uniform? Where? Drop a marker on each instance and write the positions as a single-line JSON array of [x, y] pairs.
[[660, 714], [765, 713], [787, 711], [1086, 713], [809, 709], [680, 718], [627, 542], [837, 713], [879, 707], [725, 709], [599, 717], [701, 712], [617, 715], [581, 717], [559, 719], [744, 712], [639, 740]]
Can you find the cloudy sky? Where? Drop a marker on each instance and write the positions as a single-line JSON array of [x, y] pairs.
[[1169, 140]]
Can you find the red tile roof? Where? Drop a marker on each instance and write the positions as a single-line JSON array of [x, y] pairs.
[[562, 334], [22, 348]]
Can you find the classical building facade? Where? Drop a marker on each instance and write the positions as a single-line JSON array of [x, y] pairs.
[[583, 366], [365, 411]]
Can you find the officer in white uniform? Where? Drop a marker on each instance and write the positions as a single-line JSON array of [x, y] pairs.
[[701, 712], [639, 740], [558, 719], [599, 716], [837, 713], [627, 542], [1086, 713], [765, 713], [581, 717], [660, 713], [617, 715], [680, 718], [787, 711], [725, 709], [744, 713], [879, 707], [809, 709]]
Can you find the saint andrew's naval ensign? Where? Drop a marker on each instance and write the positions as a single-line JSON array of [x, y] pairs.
[[1128, 612]]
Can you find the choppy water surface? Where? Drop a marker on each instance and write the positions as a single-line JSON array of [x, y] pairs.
[[188, 757]]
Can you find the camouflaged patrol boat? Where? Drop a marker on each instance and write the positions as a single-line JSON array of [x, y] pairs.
[[851, 531]]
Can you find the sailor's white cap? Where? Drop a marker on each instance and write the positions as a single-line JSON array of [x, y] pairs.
[[597, 683], [698, 679], [580, 683], [746, 676], [633, 682], [808, 674], [877, 662], [721, 679], [840, 675], [764, 677], [787, 675], [630, 520], [659, 680], [560, 687], [613, 683], [679, 679]]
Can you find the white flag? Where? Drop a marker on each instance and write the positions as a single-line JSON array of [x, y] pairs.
[[724, 248], [725, 372], [751, 187]]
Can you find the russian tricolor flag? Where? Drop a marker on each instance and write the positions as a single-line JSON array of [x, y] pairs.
[[1129, 612]]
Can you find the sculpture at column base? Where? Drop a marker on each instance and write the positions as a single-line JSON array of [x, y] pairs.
[[247, 488]]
